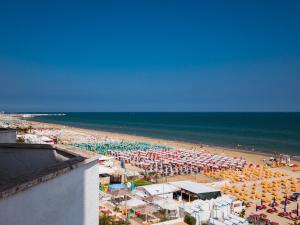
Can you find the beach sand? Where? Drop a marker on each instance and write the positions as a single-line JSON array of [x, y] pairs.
[[250, 156], [254, 157]]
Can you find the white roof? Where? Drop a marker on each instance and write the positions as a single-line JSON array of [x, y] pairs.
[[168, 204], [193, 187], [134, 202], [159, 189], [104, 157]]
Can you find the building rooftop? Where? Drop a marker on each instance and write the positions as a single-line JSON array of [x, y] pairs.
[[193, 187], [25, 165], [159, 189]]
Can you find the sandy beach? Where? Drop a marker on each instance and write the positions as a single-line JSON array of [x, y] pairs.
[[69, 134], [254, 156]]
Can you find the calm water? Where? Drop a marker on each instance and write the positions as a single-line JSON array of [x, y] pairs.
[[266, 132]]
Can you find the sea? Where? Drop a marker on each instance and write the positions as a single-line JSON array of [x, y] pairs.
[[262, 132]]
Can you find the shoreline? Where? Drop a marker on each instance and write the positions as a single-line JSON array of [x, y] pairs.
[[251, 156]]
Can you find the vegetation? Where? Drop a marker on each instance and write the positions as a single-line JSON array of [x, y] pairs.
[[242, 213], [116, 209], [109, 220], [161, 214], [189, 220], [295, 223], [20, 140], [141, 183]]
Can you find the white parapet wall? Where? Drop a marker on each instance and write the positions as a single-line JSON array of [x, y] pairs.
[[70, 199]]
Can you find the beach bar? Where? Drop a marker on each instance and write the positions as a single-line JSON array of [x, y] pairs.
[[196, 191]]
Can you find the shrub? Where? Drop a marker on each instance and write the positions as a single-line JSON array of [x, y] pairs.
[[242, 213], [189, 220]]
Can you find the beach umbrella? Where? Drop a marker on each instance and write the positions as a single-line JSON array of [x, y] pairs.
[[261, 201], [266, 199]]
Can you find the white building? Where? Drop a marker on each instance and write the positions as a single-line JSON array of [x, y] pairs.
[[214, 211], [48, 185], [164, 190], [8, 135], [195, 190]]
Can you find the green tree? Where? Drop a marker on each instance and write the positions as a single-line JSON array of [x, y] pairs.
[[242, 213], [189, 220]]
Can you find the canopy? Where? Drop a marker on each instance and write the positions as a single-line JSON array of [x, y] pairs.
[[202, 191]]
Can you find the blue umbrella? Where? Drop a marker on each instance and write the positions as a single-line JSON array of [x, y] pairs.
[[256, 207]]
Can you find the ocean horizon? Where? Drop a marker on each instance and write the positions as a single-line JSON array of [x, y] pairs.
[[262, 132]]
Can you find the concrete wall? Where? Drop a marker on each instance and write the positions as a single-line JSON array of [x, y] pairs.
[[8, 136], [16, 162], [70, 199]]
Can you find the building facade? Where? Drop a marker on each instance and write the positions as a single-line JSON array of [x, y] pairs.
[[48, 185]]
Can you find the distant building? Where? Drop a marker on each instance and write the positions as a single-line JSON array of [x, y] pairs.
[[48, 185], [8, 135]]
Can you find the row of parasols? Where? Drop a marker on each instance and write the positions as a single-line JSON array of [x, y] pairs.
[[162, 159], [250, 172], [172, 162], [264, 190]]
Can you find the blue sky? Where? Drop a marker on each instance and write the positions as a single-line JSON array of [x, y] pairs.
[[150, 55]]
